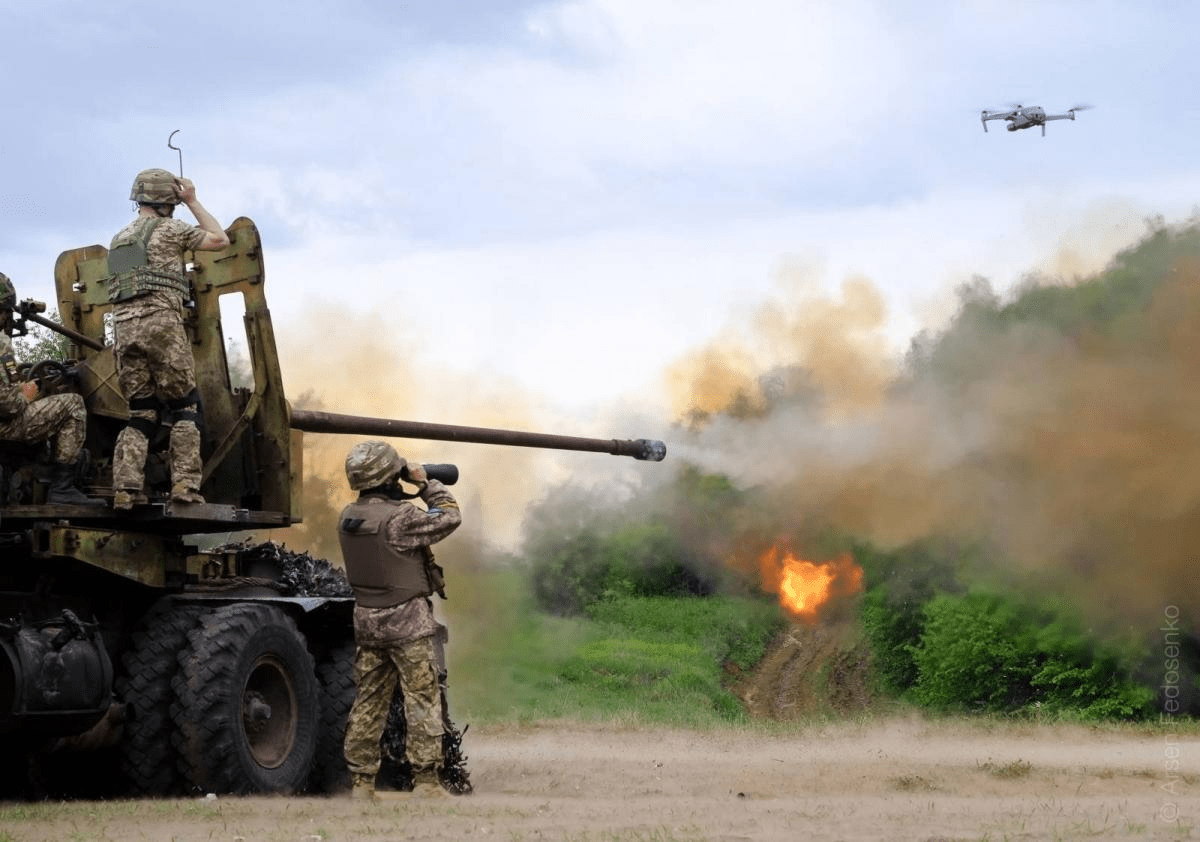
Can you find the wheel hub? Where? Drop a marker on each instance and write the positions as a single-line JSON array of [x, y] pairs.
[[269, 713]]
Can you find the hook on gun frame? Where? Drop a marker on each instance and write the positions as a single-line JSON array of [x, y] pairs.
[[177, 149]]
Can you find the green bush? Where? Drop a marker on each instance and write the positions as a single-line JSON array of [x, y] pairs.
[[899, 584], [642, 559], [1077, 675], [971, 655], [893, 632], [670, 541], [983, 651]]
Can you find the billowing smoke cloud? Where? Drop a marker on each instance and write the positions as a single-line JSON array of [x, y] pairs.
[[1059, 430], [362, 368], [806, 344]]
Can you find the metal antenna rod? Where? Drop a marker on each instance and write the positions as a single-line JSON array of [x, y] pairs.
[[177, 149]]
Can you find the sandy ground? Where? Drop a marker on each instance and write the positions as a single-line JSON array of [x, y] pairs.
[[881, 780]]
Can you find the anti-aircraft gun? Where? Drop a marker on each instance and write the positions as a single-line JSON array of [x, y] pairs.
[[202, 670]]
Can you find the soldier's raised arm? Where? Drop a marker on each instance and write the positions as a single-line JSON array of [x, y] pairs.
[[215, 237]]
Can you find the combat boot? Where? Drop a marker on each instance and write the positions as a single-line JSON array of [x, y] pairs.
[[126, 498], [362, 788], [180, 493], [62, 490], [426, 784]]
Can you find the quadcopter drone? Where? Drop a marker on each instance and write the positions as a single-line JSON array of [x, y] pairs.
[[1028, 117]]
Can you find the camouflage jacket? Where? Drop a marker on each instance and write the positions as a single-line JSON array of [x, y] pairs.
[[12, 400]]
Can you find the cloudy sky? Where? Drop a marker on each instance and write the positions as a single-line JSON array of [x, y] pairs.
[[568, 196]]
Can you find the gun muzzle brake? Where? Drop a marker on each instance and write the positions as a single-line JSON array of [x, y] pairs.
[[650, 450]]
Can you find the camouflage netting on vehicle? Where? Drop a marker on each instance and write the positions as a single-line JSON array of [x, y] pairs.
[[302, 575], [296, 574]]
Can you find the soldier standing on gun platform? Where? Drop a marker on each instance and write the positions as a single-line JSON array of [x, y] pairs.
[[24, 417], [386, 547], [155, 366]]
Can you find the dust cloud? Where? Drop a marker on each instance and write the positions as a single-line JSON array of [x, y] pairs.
[[1060, 432]]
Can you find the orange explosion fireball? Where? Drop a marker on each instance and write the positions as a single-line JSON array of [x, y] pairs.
[[804, 587]]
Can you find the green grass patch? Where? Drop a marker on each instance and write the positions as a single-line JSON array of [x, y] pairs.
[[735, 629], [632, 659]]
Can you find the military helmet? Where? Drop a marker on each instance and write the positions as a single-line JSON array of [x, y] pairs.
[[154, 187], [8, 293], [371, 464]]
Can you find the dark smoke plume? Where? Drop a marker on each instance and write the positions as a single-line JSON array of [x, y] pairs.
[[1058, 428]]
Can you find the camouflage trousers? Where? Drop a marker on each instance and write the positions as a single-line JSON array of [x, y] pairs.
[[132, 448], [59, 419], [376, 672], [154, 360]]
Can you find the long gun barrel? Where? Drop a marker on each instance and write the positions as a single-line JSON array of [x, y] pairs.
[[330, 422]]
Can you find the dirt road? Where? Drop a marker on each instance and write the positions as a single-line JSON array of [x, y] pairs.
[[880, 780]]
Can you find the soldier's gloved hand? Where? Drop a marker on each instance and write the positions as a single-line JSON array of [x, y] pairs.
[[30, 390], [414, 472]]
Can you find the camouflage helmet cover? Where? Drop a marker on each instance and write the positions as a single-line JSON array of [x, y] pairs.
[[155, 187], [8, 293], [371, 464]]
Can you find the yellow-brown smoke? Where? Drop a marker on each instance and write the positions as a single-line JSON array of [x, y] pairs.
[[834, 344], [1074, 455], [362, 368]]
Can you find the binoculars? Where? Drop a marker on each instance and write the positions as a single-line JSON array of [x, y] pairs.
[[445, 474]]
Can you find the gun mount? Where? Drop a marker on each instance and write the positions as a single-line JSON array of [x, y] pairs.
[[137, 625]]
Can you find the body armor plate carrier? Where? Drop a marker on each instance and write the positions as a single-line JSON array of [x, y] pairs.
[[380, 575], [131, 276]]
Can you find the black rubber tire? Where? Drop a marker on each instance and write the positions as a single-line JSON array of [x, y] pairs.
[[243, 663], [148, 758], [335, 675]]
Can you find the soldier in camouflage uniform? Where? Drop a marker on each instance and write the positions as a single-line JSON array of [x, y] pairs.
[[155, 366], [385, 543], [58, 419]]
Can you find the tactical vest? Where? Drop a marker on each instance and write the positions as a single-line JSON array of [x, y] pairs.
[[130, 276], [380, 576]]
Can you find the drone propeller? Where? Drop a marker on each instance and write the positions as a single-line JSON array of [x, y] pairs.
[[1081, 108]]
